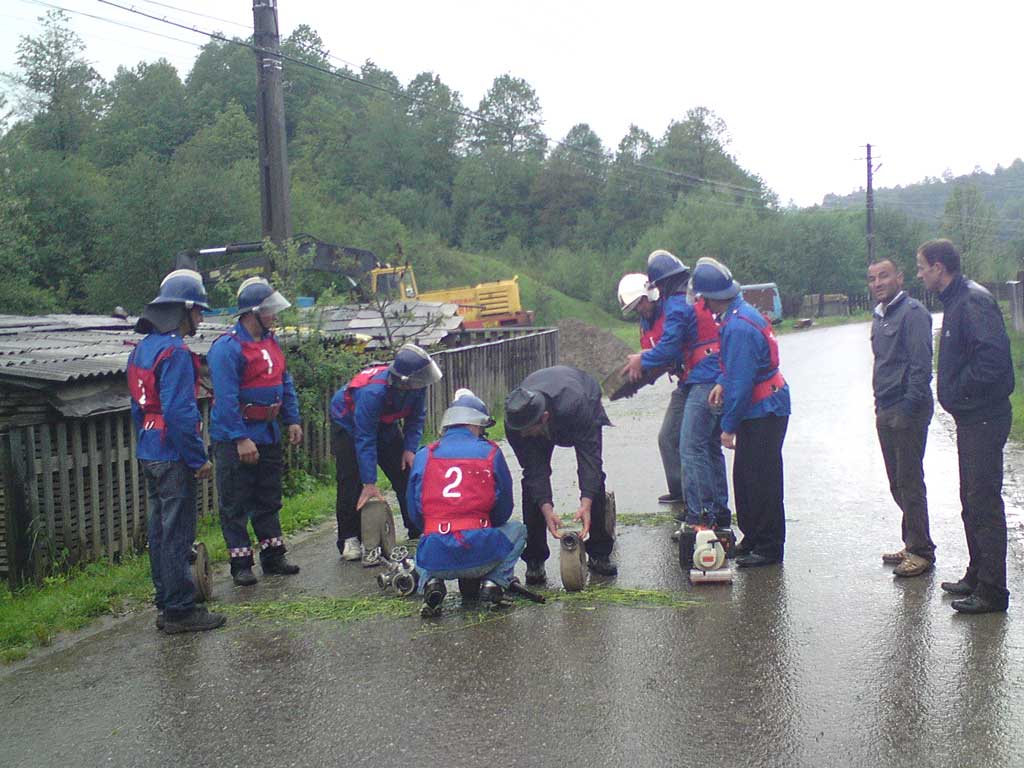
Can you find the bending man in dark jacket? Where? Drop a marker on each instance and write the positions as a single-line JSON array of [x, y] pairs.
[[975, 379], [559, 406], [901, 339]]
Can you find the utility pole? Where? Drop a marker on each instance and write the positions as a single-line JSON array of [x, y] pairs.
[[871, 214], [274, 186]]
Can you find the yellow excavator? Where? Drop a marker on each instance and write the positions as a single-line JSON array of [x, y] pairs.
[[485, 305]]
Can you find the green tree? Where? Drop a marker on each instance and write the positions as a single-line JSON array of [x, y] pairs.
[[63, 91], [568, 186], [511, 119], [147, 113], [968, 222]]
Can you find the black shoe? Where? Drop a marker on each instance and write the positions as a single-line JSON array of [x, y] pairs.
[[977, 604], [199, 620], [160, 620], [603, 565], [490, 592], [244, 577], [469, 588], [670, 498], [963, 587], [280, 566], [754, 560], [433, 596], [535, 572]]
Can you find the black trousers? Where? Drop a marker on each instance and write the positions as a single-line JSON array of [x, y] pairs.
[[249, 492], [390, 445], [903, 439], [599, 543], [980, 450], [758, 485]]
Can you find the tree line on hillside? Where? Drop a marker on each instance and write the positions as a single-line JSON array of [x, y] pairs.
[[102, 182]]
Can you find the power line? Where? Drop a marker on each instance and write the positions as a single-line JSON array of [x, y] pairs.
[[111, 21], [197, 13]]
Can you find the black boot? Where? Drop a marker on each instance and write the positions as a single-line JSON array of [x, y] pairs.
[[273, 561], [241, 571], [978, 604], [963, 588], [535, 572], [603, 565], [433, 596], [199, 620]]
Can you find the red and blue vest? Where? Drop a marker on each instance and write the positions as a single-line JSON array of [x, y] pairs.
[[458, 493], [375, 374], [145, 390]]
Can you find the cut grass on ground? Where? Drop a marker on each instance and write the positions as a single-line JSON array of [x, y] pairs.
[[346, 609], [33, 616]]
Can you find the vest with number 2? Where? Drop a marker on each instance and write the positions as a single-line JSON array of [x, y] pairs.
[[145, 389], [458, 493]]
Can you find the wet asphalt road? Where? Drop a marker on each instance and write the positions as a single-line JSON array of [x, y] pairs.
[[827, 659]]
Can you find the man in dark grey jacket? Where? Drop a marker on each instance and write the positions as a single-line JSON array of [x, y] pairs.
[[975, 379], [901, 339], [559, 406]]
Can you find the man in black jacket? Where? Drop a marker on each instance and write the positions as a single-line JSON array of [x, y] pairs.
[[559, 406], [901, 339], [975, 379]]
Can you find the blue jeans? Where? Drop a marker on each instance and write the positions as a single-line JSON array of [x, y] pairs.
[[498, 571], [171, 487], [705, 487]]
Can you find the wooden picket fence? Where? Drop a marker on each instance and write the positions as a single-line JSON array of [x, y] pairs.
[[73, 491]]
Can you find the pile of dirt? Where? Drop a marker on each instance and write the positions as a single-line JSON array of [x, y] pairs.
[[589, 348]]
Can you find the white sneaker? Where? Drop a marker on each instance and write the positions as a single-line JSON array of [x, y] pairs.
[[353, 550]]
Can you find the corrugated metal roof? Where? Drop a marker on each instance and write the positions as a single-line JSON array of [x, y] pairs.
[[65, 348]]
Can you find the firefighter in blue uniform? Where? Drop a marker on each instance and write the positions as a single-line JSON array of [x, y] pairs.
[[691, 339], [365, 433], [460, 496], [252, 390], [755, 405], [163, 376]]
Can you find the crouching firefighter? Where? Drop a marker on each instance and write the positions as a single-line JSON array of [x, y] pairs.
[[163, 379], [252, 390], [460, 495], [377, 419]]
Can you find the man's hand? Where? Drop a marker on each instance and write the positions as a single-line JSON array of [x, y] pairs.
[[548, 510], [634, 368], [205, 472], [583, 515], [729, 440], [408, 457], [716, 397], [248, 453], [294, 434], [370, 491]]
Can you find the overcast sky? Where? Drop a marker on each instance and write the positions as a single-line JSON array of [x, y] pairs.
[[802, 86]]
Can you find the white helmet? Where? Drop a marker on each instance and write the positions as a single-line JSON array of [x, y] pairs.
[[632, 288]]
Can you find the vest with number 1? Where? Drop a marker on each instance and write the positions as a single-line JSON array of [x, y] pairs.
[[264, 369], [458, 493]]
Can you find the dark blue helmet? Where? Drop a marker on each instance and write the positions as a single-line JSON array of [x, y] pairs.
[[713, 280], [412, 368], [182, 286], [257, 295], [662, 265]]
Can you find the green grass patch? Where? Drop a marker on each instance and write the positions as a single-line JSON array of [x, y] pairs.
[[1017, 397], [34, 615], [602, 594], [348, 609], [787, 325], [327, 609]]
